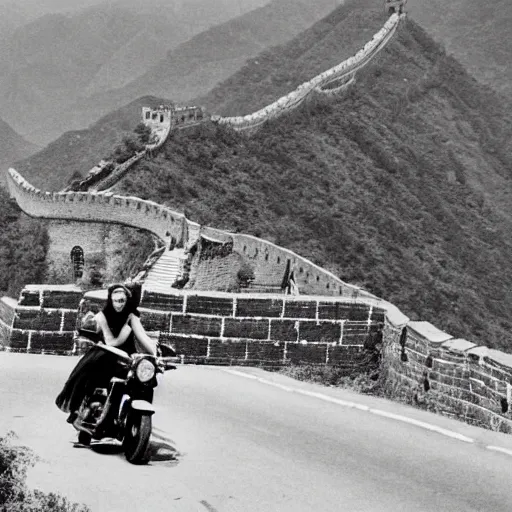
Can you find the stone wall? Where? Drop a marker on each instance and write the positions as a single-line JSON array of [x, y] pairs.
[[224, 328], [42, 320], [269, 263], [62, 237], [319, 84], [216, 271], [96, 207], [268, 260], [103, 247], [452, 376], [419, 362], [213, 328]]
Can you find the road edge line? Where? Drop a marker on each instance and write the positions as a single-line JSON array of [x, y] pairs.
[[423, 424], [365, 408], [499, 449]]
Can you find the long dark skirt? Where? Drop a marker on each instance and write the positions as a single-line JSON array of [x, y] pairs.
[[94, 370]]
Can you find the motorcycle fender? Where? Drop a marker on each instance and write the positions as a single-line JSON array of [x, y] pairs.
[[142, 406]]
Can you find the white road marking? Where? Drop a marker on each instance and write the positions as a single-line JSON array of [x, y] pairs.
[[361, 407], [422, 424], [498, 449]]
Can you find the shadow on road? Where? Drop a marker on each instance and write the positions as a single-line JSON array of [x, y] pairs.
[[161, 450]]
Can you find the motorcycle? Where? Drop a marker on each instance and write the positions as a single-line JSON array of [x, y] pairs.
[[123, 410]]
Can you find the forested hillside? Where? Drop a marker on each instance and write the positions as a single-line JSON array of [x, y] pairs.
[[277, 71], [402, 186], [74, 153]]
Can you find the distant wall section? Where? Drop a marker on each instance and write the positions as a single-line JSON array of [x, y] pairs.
[[320, 84], [97, 207]]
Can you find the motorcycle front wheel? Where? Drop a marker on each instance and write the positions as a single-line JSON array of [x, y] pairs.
[[136, 438]]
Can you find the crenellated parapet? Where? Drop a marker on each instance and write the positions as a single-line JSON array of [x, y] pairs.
[[269, 262], [319, 84], [103, 207]]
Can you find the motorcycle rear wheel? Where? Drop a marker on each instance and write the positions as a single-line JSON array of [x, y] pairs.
[[136, 439]]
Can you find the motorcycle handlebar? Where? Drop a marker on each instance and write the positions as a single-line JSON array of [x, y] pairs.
[[94, 339]]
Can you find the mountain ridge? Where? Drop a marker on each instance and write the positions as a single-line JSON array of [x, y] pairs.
[[53, 61], [211, 56], [400, 186], [476, 33], [12, 147]]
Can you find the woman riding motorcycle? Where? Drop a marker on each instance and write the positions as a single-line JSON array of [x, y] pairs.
[[120, 326]]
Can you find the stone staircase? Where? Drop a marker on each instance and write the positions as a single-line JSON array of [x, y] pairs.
[[165, 271]]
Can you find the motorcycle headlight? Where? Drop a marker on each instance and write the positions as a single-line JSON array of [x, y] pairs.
[[145, 370]]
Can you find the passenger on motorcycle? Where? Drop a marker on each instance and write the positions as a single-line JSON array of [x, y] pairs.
[[120, 326]]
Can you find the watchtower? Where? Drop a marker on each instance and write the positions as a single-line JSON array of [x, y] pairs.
[[395, 6]]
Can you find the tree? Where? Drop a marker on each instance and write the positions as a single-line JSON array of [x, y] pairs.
[[144, 132]]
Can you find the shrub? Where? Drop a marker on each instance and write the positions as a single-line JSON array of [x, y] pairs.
[[15, 496], [143, 132]]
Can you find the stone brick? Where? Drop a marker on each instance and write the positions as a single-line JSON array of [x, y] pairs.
[[61, 299], [183, 345], [300, 309], [346, 356], [343, 311], [417, 358], [458, 359], [200, 326], [378, 315], [283, 330], [358, 313], [210, 305], [162, 302], [354, 333], [49, 320], [51, 342], [19, 339], [155, 320], [218, 273], [261, 351], [251, 329], [27, 318], [227, 351], [70, 318], [326, 332], [259, 307], [333, 310], [479, 373], [297, 353], [29, 298]]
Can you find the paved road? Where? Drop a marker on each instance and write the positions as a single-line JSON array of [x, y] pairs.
[[227, 443]]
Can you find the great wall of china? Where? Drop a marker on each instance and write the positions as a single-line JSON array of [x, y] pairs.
[[330, 323], [319, 84]]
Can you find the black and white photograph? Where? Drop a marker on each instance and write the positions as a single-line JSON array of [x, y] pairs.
[[256, 256]]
